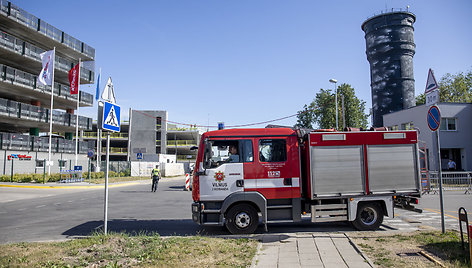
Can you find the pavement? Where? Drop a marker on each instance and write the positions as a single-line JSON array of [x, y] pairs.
[[313, 249]]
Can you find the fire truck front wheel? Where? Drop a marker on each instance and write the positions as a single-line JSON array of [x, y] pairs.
[[369, 217], [242, 219]]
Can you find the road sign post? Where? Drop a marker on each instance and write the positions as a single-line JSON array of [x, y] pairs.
[[434, 122], [110, 121]]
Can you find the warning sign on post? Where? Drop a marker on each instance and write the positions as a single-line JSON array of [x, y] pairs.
[[111, 117]]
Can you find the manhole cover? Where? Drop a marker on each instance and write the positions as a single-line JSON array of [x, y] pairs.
[[411, 254]]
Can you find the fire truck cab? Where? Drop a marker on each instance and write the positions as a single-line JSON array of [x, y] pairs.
[[244, 177]]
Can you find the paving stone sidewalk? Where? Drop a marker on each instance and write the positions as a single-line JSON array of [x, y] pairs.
[[308, 250]]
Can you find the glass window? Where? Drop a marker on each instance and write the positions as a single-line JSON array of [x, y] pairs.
[[248, 153], [62, 163], [272, 150], [223, 152], [448, 124]]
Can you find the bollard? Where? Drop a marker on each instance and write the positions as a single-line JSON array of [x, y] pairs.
[[470, 244], [187, 182]]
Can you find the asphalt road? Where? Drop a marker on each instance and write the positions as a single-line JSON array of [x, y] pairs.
[[58, 214]]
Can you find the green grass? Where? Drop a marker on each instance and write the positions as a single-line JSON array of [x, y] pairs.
[[122, 250]]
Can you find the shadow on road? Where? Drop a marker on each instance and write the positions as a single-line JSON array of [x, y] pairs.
[[186, 227], [133, 227]]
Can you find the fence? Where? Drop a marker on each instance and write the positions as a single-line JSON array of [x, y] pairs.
[[451, 181]]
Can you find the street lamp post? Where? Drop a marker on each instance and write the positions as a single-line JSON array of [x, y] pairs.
[[332, 80]]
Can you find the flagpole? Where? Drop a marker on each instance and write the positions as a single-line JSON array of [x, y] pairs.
[[99, 135], [50, 114], [77, 118]]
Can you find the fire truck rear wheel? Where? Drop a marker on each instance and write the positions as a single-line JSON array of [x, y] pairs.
[[369, 217], [242, 219]]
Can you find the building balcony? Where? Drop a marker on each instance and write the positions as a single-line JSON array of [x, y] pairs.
[[17, 52], [115, 151], [19, 142], [23, 86], [21, 117], [30, 27], [181, 143]]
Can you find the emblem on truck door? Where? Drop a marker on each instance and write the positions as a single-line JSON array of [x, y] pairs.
[[219, 176]]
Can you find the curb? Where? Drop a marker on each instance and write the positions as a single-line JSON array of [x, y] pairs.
[[360, 251], [256, 256], [70, 187]]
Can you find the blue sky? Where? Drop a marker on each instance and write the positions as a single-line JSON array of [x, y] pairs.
[[246, 61]]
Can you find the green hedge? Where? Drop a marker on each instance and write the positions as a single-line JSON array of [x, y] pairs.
[[56, 176]]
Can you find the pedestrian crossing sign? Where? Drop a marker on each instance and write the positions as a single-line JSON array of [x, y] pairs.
[[111, 117]]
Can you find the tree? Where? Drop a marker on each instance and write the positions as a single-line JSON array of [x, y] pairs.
[[322, 110], [305, 117], [452, 88]]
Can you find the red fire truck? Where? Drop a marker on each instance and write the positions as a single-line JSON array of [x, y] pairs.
[[244, 177]]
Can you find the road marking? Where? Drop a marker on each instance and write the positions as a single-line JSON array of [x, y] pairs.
[[432, 210], [40, 206], [21, 209], [70, 201]]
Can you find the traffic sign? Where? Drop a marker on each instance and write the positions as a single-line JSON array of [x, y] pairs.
[[432, 97], [91, 153], [139, 156], [434, 118], [111, 117], [431, 83]]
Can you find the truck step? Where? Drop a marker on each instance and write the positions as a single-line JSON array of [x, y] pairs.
[[208, 211], [329, 212], [329, 219]]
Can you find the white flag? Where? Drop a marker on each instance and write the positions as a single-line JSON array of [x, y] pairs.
[[45, 76], [108, 93]]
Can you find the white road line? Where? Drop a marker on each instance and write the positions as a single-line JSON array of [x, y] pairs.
[[21, 209], [40, 206]]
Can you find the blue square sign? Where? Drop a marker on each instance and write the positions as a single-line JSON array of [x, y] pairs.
[[111, 117]]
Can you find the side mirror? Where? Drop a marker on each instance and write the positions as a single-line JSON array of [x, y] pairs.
[[207, 155]]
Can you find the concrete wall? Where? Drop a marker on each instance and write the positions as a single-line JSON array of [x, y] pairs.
[[29, 166], [172, 169], [140, 168], [460, 138], [143, 134]]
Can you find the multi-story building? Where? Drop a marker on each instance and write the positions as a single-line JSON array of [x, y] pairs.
[[454, 132], [25, 103], [147, 137]]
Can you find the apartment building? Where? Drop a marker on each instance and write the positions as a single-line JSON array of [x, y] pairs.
[[25, 103]]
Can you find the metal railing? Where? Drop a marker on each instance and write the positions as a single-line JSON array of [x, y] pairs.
[[112, 135], [451, 181], [25, 111], [34, 23], [182, 143], [20, 142], [31, 51], [17, 77]]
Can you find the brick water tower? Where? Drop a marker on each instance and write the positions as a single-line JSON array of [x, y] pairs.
[[390, 48]]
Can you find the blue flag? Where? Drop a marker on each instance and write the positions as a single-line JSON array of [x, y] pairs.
[[98, 87]]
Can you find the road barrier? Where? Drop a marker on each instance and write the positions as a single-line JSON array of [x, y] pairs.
[[187, 182], [451, 181]]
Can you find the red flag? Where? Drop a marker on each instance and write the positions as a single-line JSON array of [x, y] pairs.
[[74, 79]]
